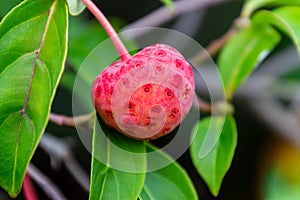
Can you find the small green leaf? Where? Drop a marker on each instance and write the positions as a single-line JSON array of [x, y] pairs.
[[171, 182], [169, 4], [75, 6], [216, 163], [243, 53], [284, 18], [252, 5], [32, 53], [118, 165]]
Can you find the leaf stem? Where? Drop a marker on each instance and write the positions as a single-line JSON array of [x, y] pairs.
[[120, 47]]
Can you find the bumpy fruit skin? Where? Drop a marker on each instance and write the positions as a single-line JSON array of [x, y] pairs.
[[146, 96]]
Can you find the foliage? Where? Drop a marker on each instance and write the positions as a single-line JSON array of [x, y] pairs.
[[213, 167], [30, 72], [31, 67]]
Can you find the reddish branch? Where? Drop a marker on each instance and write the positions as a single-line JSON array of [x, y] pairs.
[[28, 189]]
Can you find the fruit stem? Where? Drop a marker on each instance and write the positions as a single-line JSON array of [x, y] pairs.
[[120, 47]]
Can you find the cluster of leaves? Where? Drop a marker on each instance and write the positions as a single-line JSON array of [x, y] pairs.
[[33, 51]]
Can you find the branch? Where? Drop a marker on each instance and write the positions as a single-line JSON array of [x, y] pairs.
[[282, 121], [163, 14], [214, 47], [45, 183], [203, 105], [83, 122], [60, 152]]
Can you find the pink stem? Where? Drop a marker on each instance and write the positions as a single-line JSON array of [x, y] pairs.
[[28, 189], [123, 52]]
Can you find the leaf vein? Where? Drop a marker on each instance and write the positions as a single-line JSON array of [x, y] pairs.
[[37, 57]]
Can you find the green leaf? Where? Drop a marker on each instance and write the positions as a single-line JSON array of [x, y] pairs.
[[286, 19], [75, 6], [32, 53], [216, 163], [169, 4], [170, 182], [252, 5], [118, 165], [243, 53], [6, 6]]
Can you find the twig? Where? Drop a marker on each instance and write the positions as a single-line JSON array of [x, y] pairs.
[[60, 152], [78, 173], [214, 47], [163, 14], [83, 122], [280, 120], [45, 183], [204, 106], [28, 189], [62, 120]]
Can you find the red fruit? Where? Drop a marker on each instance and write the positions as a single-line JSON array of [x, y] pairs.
[[146, 96]]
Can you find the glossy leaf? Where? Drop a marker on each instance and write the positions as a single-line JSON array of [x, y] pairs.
[[32, 53], [286, 19], [171, 182], [216, 163], [243, 53], [118, 165], [75, 6], [6, 6], [252, 5]]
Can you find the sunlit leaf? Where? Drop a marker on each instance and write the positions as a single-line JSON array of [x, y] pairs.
[[32, 53], [216, 163], [252, 5], [286, 19], [171, 182], [243, 53], [75, 7], [169, 4], [118, 165]]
